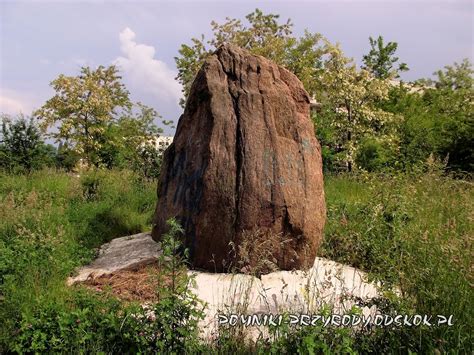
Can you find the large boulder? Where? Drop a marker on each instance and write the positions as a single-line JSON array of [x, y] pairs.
[[245, 167]]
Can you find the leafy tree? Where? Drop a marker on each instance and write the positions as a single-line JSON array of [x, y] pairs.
[[455, 77], [349, 106], [415, 129], [263, 35], [83, 107], [97, 122], [381, 59], [452, 105], [66, 158], [437, 120], [22, 147], [348, 96], [123, 141]]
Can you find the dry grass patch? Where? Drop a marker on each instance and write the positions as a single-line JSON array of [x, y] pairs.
[[129, 285]]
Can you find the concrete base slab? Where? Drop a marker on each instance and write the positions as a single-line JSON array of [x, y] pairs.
[[326, 283]]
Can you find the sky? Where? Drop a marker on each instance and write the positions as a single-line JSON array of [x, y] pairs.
[[40, 40]]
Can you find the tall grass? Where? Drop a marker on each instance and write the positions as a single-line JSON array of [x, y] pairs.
[[412, 231], [50, 222]]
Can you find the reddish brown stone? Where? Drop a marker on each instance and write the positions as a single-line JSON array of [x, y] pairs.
[[244, 159]]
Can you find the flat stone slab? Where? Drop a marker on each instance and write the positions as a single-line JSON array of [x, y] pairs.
[[125, 253], [326, 283]]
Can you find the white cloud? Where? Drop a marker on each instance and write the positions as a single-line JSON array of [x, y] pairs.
[[145, 73]]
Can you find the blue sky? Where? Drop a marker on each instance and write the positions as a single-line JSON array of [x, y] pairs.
[[40, 40]]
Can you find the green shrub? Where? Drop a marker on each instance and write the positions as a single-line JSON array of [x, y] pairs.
[[85, 324], [178, 310], [374, 156], [90, 186], [22, 148]]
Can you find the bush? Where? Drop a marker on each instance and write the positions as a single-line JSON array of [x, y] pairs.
[[66, 158], [87, 323], [22, 148], [178, 310], [374, 156]]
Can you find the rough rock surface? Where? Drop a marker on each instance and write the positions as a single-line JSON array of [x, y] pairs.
[[244, 160]]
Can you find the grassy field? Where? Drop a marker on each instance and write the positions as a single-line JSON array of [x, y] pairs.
[[50, 222], [415, 232], [410, 231]]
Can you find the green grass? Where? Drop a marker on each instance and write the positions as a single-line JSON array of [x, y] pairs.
[[414, 232], [50, 222]]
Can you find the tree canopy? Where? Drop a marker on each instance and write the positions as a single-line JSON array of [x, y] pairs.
[[263, 35], [92, 115], [83, 107], [363, 120], [349, 100], [348, 95], [381, 59], [22, 146]]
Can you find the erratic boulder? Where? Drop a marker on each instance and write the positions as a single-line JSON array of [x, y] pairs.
[[244, 164]]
